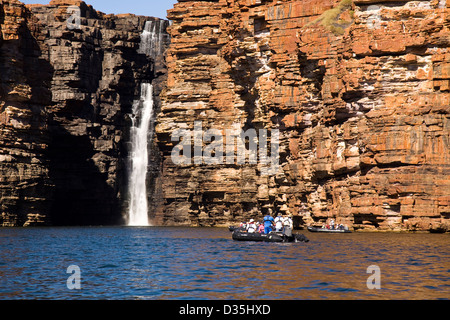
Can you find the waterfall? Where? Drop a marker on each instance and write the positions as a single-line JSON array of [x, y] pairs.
[[140, 135], [153, 39]]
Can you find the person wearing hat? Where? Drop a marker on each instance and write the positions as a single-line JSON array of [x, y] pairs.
[[261, 228], [251, 227]]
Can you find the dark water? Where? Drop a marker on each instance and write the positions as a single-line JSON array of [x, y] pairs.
[[181, 263]]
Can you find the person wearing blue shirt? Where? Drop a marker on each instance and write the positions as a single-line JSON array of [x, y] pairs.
[[268, 223]]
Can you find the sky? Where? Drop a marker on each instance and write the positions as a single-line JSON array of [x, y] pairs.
[[153, 8]]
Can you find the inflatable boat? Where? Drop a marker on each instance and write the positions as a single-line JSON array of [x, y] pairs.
[[324, 230], [239, 235]]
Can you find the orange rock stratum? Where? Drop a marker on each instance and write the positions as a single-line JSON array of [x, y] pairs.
[[360, 91]]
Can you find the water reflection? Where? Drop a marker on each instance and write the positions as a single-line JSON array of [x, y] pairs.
[[179, 263]]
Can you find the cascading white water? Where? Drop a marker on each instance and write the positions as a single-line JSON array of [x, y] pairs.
[[153, 38], [140, 135]]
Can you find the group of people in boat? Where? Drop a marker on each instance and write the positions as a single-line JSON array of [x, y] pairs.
[[281, 223], [334, 226]]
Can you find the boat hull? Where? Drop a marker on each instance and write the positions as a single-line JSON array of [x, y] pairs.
[[272, 237], [321, 230]]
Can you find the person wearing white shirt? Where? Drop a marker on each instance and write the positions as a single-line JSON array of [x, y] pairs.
[[288, 225], [279, 223]]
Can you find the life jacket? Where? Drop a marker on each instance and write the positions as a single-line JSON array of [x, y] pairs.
[[268, 221], [251, 228], [287, 222]]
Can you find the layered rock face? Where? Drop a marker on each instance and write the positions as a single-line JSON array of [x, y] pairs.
[[69, 76], [359, 90], [24, 95]]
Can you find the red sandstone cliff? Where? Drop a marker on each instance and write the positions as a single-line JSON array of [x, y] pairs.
[[359, 89]]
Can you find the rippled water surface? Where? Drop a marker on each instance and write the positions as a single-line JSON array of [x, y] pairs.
[[182, 263]]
